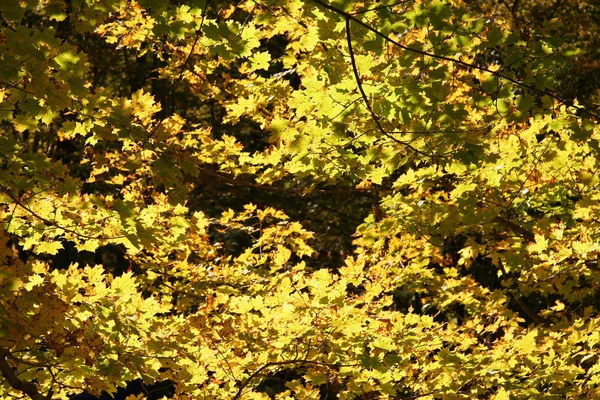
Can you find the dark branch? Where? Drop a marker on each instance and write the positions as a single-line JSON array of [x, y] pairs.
[[511, 226], [376, 8], [180, 77], [53, 223], [364, 95], [9, 374], [517, 298], [232, 181], [456, 61], [279, 363]]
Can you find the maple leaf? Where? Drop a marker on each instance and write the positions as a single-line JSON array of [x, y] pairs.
[[188, 197]]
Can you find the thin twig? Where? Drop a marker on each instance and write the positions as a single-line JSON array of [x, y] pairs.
[[279, 363], [465, 64], [380, 7], [53, 223], [366, 99], [517, 298], [180, 77]]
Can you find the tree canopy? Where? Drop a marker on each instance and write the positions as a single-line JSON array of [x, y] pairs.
[[299, 199]]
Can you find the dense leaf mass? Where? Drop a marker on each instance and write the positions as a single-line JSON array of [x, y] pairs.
[[299, 199]]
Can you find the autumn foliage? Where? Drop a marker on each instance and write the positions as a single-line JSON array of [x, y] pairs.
[[317, 199]]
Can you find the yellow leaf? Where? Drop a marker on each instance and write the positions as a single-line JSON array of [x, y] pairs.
[[89, 245], [241, 304], [501, 395], [39, 267], [35, 280], [559, 306], [48, 247], [260, 60], [540, 245], [281, 255], [124, 285], [527, 343], [180, 209], [320, 280]]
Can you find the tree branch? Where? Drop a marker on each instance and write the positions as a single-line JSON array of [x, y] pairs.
[[9, 374], [366, 99], [53, 223], [497, 74], [288, 362], [530, 313], [511, 226]]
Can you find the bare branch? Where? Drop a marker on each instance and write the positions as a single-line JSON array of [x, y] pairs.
[[13, 380]]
